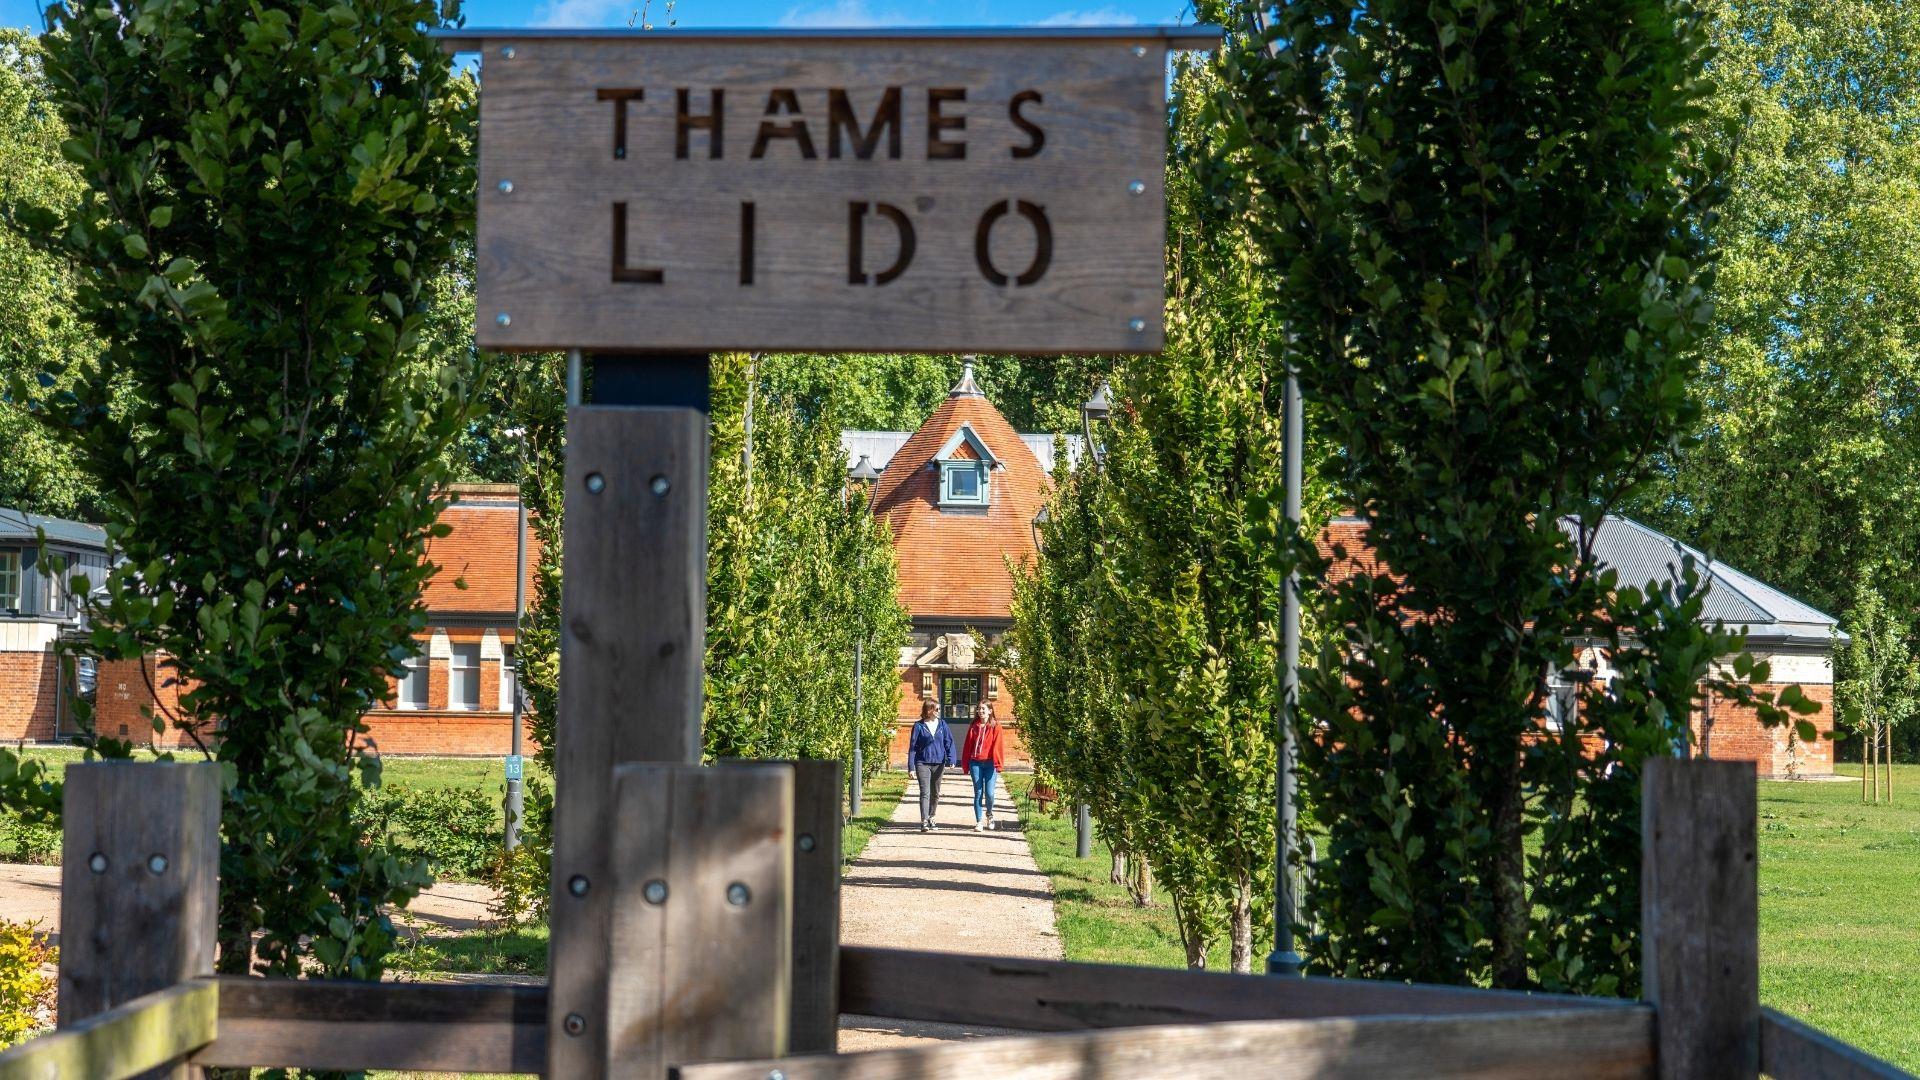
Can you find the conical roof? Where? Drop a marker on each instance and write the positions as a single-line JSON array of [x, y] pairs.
[[953, 562]]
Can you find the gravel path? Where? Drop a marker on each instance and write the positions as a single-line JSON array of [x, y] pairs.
[[950, 890]]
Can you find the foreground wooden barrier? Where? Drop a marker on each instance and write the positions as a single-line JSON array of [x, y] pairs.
[[1576, 1044], [128, 865]]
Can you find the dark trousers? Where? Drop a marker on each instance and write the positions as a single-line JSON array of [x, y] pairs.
[[929, 789]]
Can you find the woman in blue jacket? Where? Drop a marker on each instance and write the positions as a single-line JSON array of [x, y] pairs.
[[930, 752]]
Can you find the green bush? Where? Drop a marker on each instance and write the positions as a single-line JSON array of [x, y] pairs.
[[24, 841], [26, 987], [458, 830]]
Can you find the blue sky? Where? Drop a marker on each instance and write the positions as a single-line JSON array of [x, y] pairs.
[[26, 13]]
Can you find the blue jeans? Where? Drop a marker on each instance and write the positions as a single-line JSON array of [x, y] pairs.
[[984, 774]]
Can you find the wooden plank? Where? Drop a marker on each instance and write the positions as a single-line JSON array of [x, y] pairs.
[[1793, 1050], [634, 633], [148, 1032], [341, 1025], [607, 222], [1700, 916], [1584, 1043], [139, 882], [815, 1026], [701, 946], [1050, 995]]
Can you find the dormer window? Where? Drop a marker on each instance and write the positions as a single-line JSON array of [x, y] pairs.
[[966, 471], [963, 483]]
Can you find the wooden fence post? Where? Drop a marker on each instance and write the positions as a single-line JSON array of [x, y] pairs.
[[816, 907], [139, 883], [699, 963], [633, 638], [1700, 917]]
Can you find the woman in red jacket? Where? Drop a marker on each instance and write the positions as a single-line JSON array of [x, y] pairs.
[[984, 755]]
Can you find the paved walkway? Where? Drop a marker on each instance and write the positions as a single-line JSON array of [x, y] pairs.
[[950, 890]]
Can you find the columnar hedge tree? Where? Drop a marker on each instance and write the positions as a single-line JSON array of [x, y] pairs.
[[798, 570], [267, 191], [1486, 222]]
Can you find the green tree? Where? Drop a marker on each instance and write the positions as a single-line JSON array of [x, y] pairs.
[[1878, 689], [39, 329], [897, 392], [1808, 470], [267, 193], [1486, 226], [798, 570]]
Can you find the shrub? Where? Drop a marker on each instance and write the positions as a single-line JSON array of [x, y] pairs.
[[26, 841], [458, 830], [26, 989]]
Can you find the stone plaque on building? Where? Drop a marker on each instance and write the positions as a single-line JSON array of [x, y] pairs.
[[841, 191]]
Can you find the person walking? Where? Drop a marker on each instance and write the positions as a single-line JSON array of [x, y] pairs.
[[984, 757], [929, 754]]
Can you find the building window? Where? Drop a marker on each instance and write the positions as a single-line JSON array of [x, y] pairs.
[[413, 682], [9, 579], [963, 483], [509, 677], [463, 677]]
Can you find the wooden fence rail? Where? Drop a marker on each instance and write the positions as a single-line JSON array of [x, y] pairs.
[[1577, 1044], [149, 1032]]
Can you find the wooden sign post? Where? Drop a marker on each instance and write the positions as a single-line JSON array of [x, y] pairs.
[[650, 198]]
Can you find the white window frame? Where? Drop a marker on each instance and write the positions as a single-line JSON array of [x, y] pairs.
[[415, 683], [12, 579], [463, 680], [983, 495], [509, 676]]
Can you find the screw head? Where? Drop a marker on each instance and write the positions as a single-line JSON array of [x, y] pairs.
[[503, 319], [658, 485], [577, 885], [1138, 326], [619, 151], [508, 52], [806, 842], [738, 894], [1136, 187], [574, 1023], [1139, 50], [506, 187], [776, 1074], [596, 483], [157, 864], [655, 892], [97, 863]]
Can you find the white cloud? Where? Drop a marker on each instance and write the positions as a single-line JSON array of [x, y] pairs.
[[584, 13], [1090, 17], [840, 14]]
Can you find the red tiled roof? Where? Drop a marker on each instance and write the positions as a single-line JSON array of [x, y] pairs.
[[952, 563], [480, 550]]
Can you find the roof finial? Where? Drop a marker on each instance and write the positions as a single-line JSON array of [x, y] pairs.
[[966, 387]]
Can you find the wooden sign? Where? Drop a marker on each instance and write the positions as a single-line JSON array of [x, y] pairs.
[[831, 192]]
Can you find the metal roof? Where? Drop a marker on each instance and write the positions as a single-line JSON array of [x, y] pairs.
[[1644, 556], [17, 526]]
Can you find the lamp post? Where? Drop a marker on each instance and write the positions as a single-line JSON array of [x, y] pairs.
[[862, 474], [1284, 960], [515, 797], [1095, 410]]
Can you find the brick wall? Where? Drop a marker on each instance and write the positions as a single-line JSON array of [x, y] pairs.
[[27, 687], [446, 733], [1738, 735], [132, 690]]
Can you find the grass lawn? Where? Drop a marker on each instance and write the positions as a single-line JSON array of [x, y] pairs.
[[877, 801], [1839, 908]]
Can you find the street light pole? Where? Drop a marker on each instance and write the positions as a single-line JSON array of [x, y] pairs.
[[1284, 960], [859, 713], [515, 798]]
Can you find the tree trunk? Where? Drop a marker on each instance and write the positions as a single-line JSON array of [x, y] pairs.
[[1889, 764], [1118, 874], [1240, 956], [1510, 909], [1866, 756], [1190, 937], [1870, 765], [1142, 882]]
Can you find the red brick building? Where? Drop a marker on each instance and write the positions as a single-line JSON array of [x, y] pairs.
[[457, 694], [1794, 639], [38, 611], [960, 495]]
